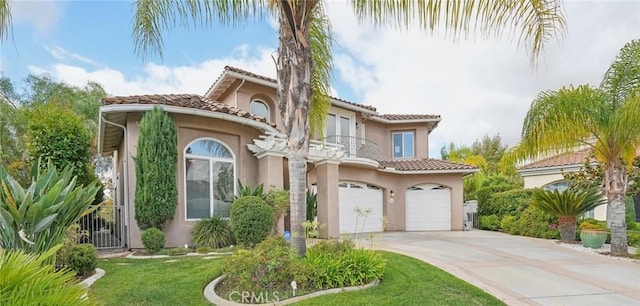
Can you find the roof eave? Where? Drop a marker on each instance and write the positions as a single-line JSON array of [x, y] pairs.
[[450, 171], [429, 120]]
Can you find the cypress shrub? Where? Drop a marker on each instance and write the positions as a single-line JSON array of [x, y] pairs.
[[156, 160]]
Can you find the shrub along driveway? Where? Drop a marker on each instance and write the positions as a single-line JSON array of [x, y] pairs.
[[522, 270]]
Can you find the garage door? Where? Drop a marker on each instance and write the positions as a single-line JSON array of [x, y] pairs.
[[363, 197], [428, 208]]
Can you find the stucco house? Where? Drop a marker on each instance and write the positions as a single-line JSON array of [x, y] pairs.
[[234, 132], [549, 173]]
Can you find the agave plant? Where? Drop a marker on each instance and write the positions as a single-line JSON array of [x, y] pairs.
[[36, 219], [247, 191], [567, 205], [27, 279]]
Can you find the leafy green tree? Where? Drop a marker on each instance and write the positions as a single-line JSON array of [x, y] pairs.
[[491, 149], [156, 162], [304, 51], [605, 118]]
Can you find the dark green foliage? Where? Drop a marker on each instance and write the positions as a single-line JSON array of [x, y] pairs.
[[251, 220], [72, 236], [492, 149], [312, 205], [343, 265], [633, 238], [511, 202], [83, 259], [630, 213], [536, 223], [153, 240], [213, 232], [156, 161], [485, 205], [491, 222], [247, 191], [267, 268], [57, 134]]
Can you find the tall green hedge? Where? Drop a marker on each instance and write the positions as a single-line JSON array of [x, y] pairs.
[[485, 205], [156, 162], [510, 202]]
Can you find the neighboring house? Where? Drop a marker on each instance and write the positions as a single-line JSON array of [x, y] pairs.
[[367, 160], [549, 173]]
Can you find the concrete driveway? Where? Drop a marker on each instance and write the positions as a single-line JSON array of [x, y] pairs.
[[521, 270]]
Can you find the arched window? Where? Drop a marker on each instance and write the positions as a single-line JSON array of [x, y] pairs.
[[559, 186], [210, 178], [260, 108]]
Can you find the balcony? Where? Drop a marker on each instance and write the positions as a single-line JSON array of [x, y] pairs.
[[354, 147]]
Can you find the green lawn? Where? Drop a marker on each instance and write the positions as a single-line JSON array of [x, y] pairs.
[[407, 281]]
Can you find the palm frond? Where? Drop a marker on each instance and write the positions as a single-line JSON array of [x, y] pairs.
[[320, 43], [570, 202], [153, 17], [622, 79], [537, 20], [5, 19], [560, 121]]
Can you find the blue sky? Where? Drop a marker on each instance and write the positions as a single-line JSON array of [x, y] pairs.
[[478, 86]]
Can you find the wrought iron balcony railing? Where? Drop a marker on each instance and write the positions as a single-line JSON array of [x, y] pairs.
[[354, 146]]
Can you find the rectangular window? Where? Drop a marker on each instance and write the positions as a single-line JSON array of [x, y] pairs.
[[198, 193], [331, 128], [403, 144]]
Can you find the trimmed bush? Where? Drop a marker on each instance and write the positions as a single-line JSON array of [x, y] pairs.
[[538, 224], [511, 202], [633, 238], [153, 240], [491, 222], [264, 269], [485, 205], [213, 232], [71, 237], [509, 225], [83, 258], [251, 220]]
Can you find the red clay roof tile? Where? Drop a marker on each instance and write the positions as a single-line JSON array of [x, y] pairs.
[[424, 164]]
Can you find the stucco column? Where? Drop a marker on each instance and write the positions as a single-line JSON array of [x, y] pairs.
[[271, 175], [328, 213]]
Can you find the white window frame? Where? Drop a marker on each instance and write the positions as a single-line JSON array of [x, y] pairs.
[[268, 117], [413, 153], [210, 159]]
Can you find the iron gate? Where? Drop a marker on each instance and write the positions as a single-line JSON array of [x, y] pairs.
[[104, 228]]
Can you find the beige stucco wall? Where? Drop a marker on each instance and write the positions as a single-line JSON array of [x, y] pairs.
[[535, 181], [381, 134], [396, 213], [190, 128]]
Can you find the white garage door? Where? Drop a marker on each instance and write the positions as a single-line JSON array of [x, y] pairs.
[[363, 197], [428, 208]]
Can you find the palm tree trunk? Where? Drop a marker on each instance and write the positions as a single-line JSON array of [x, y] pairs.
[[295, 68], [616, 186], [567, 228]]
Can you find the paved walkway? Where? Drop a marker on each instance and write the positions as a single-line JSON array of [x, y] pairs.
[[522, 270]]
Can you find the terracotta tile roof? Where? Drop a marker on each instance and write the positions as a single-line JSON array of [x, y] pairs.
[[565, 159], [183, 100], [268, 79], [424, 164], [408, 116]]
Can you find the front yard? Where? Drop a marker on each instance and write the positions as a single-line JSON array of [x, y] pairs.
[[407, 281]]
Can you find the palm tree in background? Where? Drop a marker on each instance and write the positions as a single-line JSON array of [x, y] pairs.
[[606, 119], [304, 51]]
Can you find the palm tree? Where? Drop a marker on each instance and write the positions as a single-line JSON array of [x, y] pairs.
[[5, 19], [567, 205], [606, 118], [304, 50]]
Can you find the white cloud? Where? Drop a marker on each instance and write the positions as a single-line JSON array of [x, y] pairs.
[[43, 14], [61, 54], [157, 79], [479, 87]]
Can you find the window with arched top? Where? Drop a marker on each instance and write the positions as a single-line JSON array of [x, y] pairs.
[[559, 186], [260, 108], [210, 177]]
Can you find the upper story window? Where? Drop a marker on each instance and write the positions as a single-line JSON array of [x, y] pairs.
[[260, 108], [403, 144], [209, 179]]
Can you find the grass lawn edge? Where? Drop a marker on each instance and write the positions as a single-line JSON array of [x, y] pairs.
[[211, 295]]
